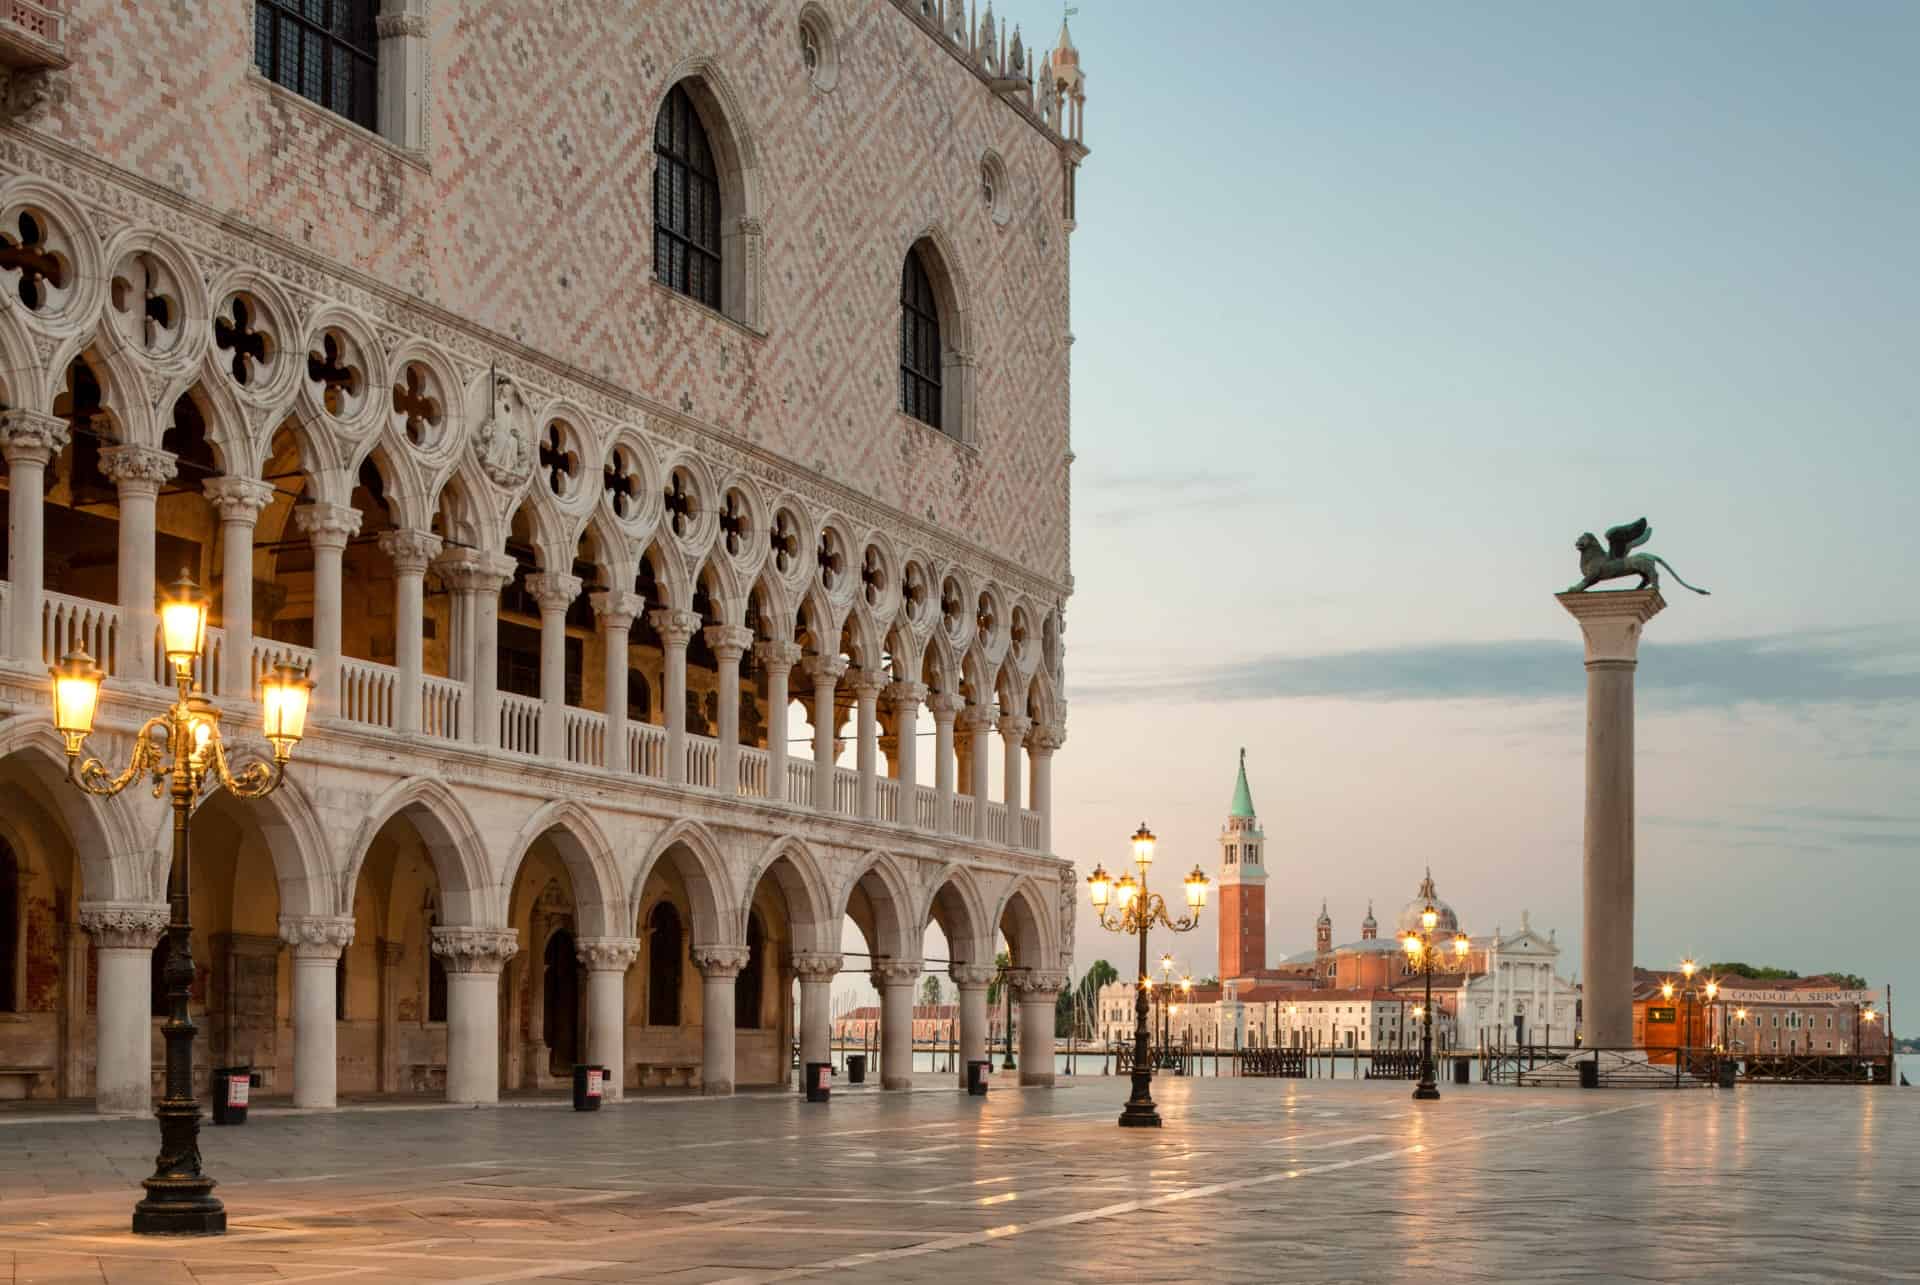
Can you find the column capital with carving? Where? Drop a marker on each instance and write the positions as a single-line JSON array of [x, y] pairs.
[[316, 936], [554, 590], [138, 470], [1037, 984], [729, 642], [474, 570], [475, 950], [617, 607], [777, 655], [124, 925], [824, 669], [412, 551], [328, 526], [607, 954], [816, 966], [1015, 726], [1611, 622], [31, 436], [978, 719], [894, 972], [867, 684], [1046, 738], [674, 626], [238, 499], [720, 962], [946, 705], [906, 695], [971, 977]]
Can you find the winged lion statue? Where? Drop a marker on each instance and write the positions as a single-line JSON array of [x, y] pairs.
[[1618, 560]]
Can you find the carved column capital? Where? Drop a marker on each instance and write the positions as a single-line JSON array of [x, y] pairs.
[[1015, 726], [554, 590], [894, 972], [473, 571], [123, 925], [978, 719], [617, 607], [906, 696], [237, 499], [945, 705], [867, 684], [607, 954], [411, 551], [777, 655], [969, 977], [715, 962], [674, 626], [1611, 622], [824, 669], [329, 526], [1046, 738], [316, 936], [390, 26], [32, 437], [816, 966], [1036, 983], [137, 470], [475, 950], [729, 642]]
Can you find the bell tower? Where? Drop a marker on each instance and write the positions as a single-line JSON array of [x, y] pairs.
[[1243, 886]]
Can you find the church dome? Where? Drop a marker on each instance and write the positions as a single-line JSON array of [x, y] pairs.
[[1410, 914]]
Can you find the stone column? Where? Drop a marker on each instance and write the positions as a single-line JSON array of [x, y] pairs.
[[777, 659], [606, 960], [825, 672], [616, 609], [317, 941], [410, 552], [328, 527], [1039, 994], [1040, 748], [719, 966], [402, 67], [867, 684], [816, 972], [1013, 735], [138, 472], [555, 592], [30, 442], [1610, 623], [895, 979], [978, 723], [478, 577], [729, 643], [675, 629], [946, 706], [123, 937], [238, 501], [905, 698], [972, 980], [390, 953], [473, 958]]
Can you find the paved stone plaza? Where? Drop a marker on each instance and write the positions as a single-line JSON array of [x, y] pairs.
[[1250, 1180]]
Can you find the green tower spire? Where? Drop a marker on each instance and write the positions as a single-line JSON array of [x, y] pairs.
[[1242, 796]]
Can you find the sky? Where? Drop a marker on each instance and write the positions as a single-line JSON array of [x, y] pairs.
[[1377, 307]]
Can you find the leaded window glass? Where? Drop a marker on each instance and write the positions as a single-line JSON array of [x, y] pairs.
[[919, 343], [686, 202], [323, 50]]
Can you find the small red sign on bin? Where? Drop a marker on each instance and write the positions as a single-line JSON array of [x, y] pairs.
[[237, 1090], [593, 1083], [826, 1073]]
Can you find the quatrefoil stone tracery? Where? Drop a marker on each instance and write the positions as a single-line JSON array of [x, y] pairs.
[[419, 412]]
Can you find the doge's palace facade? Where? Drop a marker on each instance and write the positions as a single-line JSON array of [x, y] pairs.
[[649, 421]]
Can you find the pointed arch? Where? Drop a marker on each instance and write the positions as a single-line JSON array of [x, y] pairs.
[[936, 319], [293, 836], [731, 134], [803, 881], [110, 839], [599, 898], [1025, 915], [468, 891], [878, 887], [693, 852], [959, 907]]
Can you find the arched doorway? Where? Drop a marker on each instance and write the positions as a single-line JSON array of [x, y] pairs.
[[560, 1007]]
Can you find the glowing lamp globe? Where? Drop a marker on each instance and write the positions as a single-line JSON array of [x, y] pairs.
[[1461, 946], [1099, 887], [76, 697], [1411, 945], [183, 623], [285, 694], [1197, 885], [1143, 842], [1429, 918]]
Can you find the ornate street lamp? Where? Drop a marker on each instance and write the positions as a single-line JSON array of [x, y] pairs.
[[1707, 993], [183, 750], [1424, 951], [1135, 911]]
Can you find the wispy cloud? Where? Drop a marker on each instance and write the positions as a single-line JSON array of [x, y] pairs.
[[1126, 499], [1855, 666]]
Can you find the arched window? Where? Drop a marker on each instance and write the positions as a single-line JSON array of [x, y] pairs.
[[748, 986], [323, 50], [664, 950], [686, 202], [9, 930], [919, 343]]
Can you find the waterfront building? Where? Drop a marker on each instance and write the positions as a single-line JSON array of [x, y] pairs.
[[1819, 1014], [649, 422], [1355, 994]]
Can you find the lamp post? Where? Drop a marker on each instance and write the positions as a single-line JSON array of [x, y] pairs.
[[1006, 995], [1423, 950], [184, 752], [1138, 910], [1707, 993], [1166, 995], [1740, 1015]]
